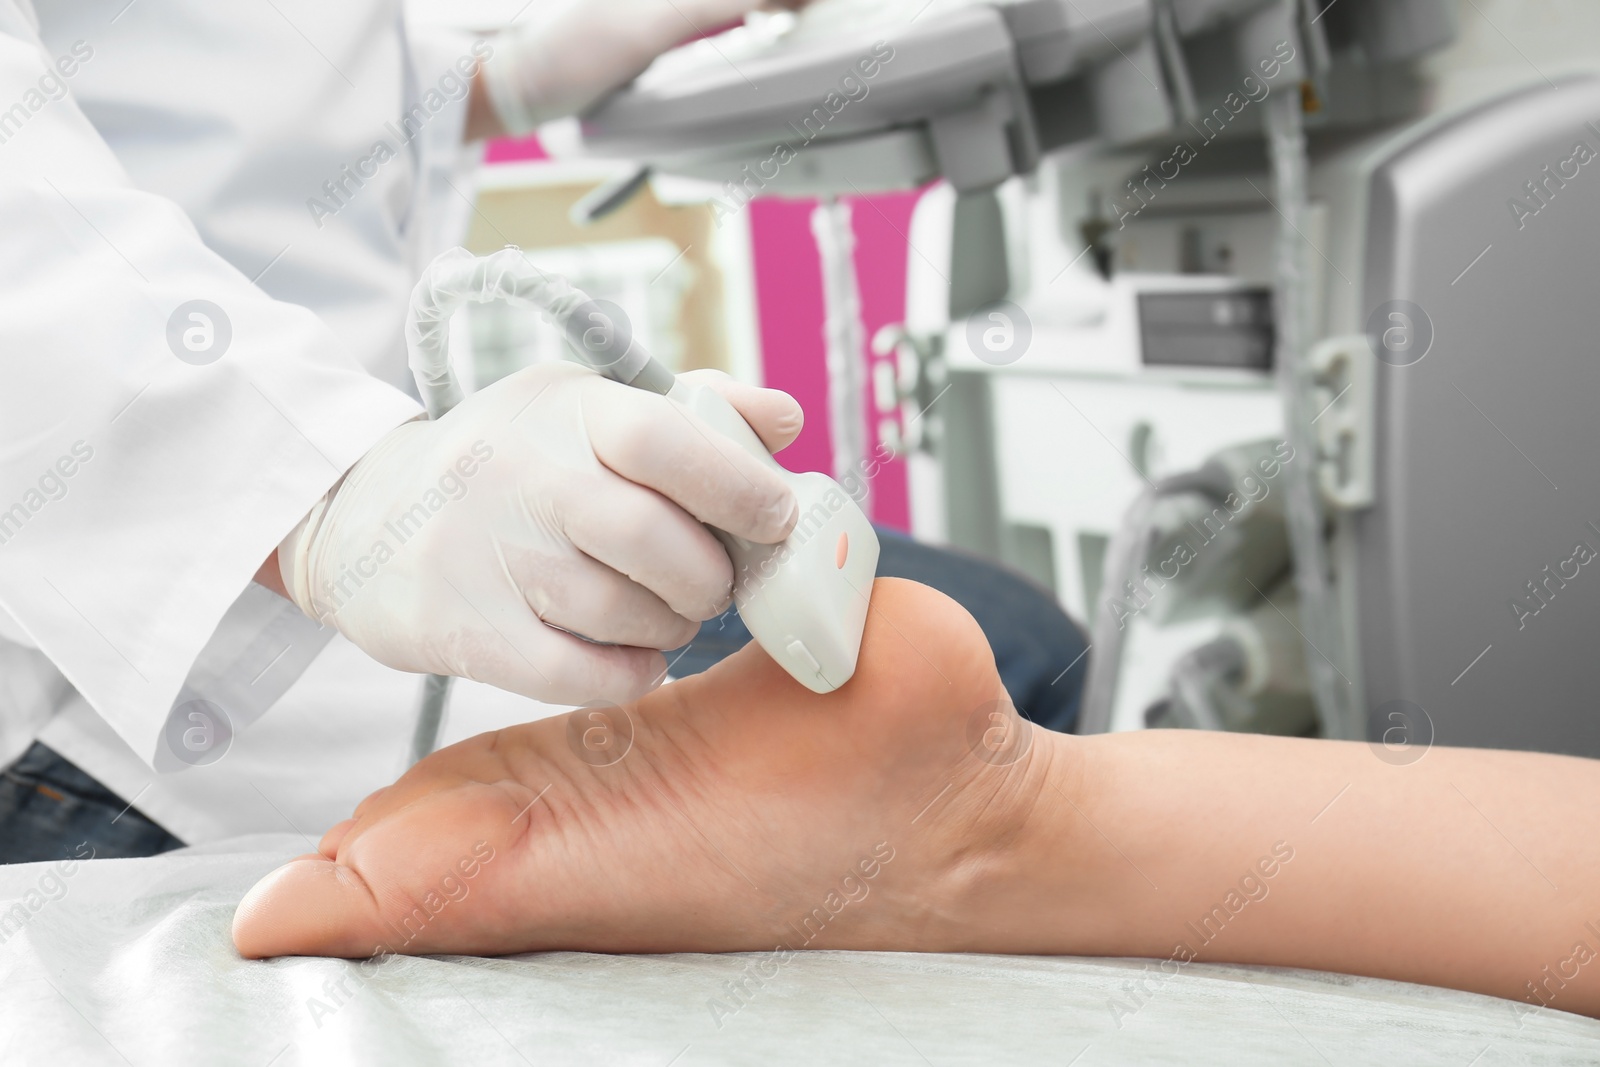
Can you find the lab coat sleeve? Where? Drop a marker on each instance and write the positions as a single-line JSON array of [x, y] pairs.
[[150, 460]]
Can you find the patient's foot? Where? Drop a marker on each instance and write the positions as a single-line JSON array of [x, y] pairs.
[[745, 813]]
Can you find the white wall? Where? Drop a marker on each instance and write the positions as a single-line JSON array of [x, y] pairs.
[[1506, 43]]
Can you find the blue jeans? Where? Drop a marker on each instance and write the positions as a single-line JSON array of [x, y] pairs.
[[49, 809], [1039, 650]]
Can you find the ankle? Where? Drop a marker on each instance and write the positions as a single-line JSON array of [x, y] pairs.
[[1018, 866]]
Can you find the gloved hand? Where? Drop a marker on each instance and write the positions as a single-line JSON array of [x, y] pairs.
[[563, 65], [554, 503]]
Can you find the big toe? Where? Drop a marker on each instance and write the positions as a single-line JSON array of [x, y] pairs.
[[311, 906]]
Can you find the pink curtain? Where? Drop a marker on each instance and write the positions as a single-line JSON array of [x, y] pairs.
[[789, 303]]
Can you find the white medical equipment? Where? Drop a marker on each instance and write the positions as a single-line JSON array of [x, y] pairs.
[[1356, 236], [804, 600], [1449, 343], [1434, 304]]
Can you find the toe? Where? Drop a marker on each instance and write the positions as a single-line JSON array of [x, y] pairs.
[[373, 800], [309, 907], [328, 847]]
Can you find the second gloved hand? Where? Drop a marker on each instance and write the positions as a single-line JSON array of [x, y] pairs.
[[563, 64], [554, 503]]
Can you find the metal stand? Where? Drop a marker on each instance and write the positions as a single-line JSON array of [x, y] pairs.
[[846, 338], [430, 717], [1319, 619]]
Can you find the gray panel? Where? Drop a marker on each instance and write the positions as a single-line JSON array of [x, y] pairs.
[[1231, 329], [1130, 95], [1031, 550], [1055, 37], [980, 272], [1390, 30], [1196, 16], [1063, 113], [1474, 439], [1092, 569], [967, 457]]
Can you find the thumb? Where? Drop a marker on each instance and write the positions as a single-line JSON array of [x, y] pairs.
[[774, 415]]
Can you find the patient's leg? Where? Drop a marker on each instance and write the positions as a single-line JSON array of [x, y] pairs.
[[747, 812]]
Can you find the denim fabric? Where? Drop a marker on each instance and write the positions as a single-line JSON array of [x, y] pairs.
[[1039, 650], [50, 810]]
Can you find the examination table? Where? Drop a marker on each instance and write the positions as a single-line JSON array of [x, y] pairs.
[[131, 962]]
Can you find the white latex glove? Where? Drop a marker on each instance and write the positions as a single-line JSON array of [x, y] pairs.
[[545, 69], [555, 502]]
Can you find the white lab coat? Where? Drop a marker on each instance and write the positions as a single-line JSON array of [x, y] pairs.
[[182, 163]]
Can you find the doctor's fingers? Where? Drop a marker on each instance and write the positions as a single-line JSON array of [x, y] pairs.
[[639, 533], [586, 597], [510, 649], [774, 415], [660, 444]]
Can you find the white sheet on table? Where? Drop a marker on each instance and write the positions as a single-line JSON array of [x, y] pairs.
[[134, 963]]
